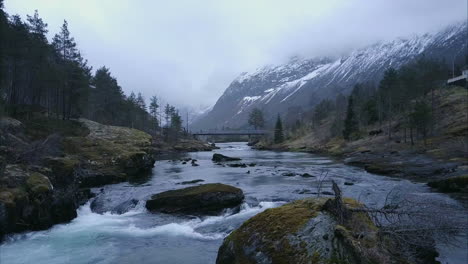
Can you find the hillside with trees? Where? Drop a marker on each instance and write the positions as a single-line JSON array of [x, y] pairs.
[[51, 79], [409, 124]]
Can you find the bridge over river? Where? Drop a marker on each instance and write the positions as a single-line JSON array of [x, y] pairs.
[[231, 133]]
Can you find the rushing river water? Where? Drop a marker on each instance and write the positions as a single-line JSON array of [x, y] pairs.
[[138, 236]]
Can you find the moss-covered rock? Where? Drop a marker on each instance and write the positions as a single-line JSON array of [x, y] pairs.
[[203, 199], [39, 183], [110, 154], [454, 184], [301, 232], [37, 193]]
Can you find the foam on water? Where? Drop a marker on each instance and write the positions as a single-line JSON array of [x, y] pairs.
[[80, 235]]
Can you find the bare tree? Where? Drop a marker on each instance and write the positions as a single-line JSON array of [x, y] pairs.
[[410, 224]]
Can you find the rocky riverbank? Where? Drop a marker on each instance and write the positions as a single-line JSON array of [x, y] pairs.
[[47, 167], [441, 158], [182, 145]]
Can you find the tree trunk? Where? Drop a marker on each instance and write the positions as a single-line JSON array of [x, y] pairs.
[[411, 136]]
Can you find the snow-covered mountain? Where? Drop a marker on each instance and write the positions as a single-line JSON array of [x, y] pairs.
[[304, 82]]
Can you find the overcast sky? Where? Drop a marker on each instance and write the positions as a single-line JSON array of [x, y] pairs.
[[188, 52]]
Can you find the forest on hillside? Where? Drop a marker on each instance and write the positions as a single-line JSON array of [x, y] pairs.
[[52, 79], [406, 96]]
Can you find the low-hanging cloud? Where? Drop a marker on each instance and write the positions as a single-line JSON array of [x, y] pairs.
[[188, 52]]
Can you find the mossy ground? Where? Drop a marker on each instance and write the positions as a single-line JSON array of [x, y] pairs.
[[109, 149], [454, 184]]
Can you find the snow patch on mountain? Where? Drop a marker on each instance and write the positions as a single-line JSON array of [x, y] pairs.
[[304, 82]]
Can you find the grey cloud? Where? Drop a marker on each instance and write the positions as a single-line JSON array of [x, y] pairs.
[[188, 52]]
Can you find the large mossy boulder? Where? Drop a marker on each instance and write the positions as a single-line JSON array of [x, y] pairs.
[[203, 199], [302, 232], [221, 158]]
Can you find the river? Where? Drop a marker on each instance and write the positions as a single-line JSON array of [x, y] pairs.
[[138, 236]]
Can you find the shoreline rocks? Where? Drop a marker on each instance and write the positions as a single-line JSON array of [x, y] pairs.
[[202, 199], [53, 176]]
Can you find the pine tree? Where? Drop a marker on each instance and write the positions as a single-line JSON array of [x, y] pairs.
[[256, 118], [350, 123], [37, 27], [167, 114], [153, 107], [421, 118], [64, 44], [69, 57], [279, 136], [141, 102]]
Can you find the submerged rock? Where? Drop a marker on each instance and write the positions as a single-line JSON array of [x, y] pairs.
[[301, 232], [125, 206], [221, 158], [237, 165], [101, 204], [191, 182], [203, 199]]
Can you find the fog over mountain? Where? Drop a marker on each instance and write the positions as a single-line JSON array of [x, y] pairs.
[[188, 52], [300, 84]]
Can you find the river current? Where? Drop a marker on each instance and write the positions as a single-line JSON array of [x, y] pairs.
[[138, 236]]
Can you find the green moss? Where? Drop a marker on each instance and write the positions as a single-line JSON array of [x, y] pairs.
[[315, 258], [204, 188], [7, 197], [383, 168], [63, 165], [274, 225], [454, 184], [335, 146], [38, 183]]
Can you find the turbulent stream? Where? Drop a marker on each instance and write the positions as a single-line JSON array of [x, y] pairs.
[[138, 236]]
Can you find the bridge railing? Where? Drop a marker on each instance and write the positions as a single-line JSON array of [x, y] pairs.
[[231, 132]]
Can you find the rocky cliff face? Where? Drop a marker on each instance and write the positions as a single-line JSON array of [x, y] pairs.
[[45, 178], [305, 82]]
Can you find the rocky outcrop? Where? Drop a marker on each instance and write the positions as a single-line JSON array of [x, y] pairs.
[[110, 154], [221, 158], [303, 232], [203, 199], [45, 177], [29, 200]]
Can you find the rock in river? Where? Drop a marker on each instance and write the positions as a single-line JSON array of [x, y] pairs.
[[203, 199], [302, 232], [220, 158]]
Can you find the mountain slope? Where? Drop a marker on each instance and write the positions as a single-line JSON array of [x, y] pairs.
[[305, 82]]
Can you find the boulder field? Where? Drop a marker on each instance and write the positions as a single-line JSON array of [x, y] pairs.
[[205, 199], [47, 167]]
